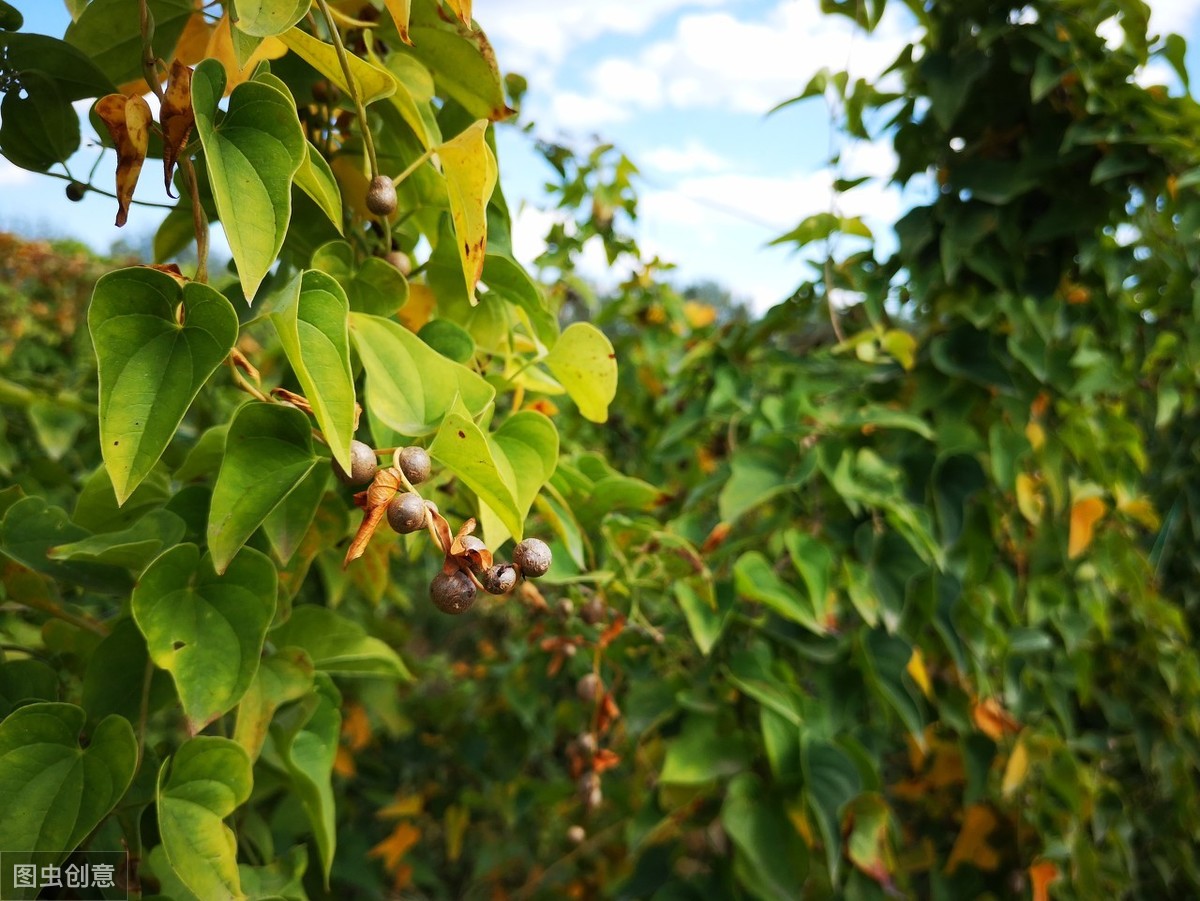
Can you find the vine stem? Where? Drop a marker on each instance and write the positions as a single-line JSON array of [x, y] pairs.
[[351, 89]]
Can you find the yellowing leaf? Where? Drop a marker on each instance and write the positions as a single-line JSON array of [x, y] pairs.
[[177, 117], [916, 669], [404, 806], [400, 10], [456, 820], [418, 309], [699, 315], [220, 48], [584, 362], [128, 120], [1041, 874], [1015, 770], [971, 846], [1029, 499], [371, 82], [354, 185], [193, 43], [1140, 510], [901, 346], [470, 170], [462, 9], [1084, 516], [1036, 435]]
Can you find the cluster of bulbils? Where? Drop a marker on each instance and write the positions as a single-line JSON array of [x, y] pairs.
[[453, 589]]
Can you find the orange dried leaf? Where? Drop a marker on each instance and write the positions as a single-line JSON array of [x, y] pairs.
[[609, 635], [1084, 516], [343, 763], [993, 720], [1041, 874], [393, 848], [971, 846], [177, 118], [171, 269], [439, 528], [605, 759], [356, 728], [194, 41], [296, 400], [716, 537], [128, 121], [371, 520]]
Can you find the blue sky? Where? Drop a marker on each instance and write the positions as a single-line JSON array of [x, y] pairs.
[[682, 86]]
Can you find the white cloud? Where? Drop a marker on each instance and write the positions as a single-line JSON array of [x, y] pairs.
[[535, 36], [714, 59], [529, 228], [1167, 16], [691, 157], [11, 176], [580, 112]]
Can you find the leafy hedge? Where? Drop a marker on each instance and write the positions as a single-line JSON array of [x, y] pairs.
[[893, 595]]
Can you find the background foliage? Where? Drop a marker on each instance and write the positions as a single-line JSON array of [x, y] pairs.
[[888, 591]]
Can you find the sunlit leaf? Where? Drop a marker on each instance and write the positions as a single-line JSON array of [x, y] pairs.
[[151, 365], [584, 361], [252, 153], [470, 170], [205, 629]]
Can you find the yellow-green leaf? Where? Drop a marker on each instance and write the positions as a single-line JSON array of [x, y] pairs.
[[371, 83], [470, 170], [584, 362]]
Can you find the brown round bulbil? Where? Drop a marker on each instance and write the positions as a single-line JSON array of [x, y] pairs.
[[362, 465], [501, 578], [406, 513], [452, 593], [381, 196], [532, 558], [415, 464]]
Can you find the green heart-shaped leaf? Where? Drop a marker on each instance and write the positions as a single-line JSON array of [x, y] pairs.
[[252, 154], [206, 630], [103, 33], [150, 365], [315, 178], [584, 361], [31, 528], [208, 779], [286, 675], [312, 326], [306, 738], [55, 792], [288, 523], [268, 452], [262, 18], [410, 386], [525, 450], [131, 548], [337, 645]]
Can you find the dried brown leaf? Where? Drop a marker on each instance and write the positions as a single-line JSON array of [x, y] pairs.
[[127, 118]]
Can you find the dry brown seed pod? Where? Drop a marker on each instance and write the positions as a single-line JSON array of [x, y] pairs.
[[75, 191], [586, 742], [406, 513], [362, 465], [414, 463], [400, 260], [566, 609], [593, 611], [532, 557], [500, 578], [588, 687], [381, 196], [452, 593]]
